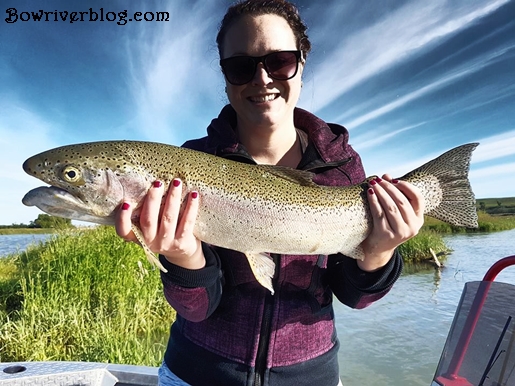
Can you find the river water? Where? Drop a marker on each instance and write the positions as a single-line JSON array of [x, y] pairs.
[[398, 340], [17, 243]]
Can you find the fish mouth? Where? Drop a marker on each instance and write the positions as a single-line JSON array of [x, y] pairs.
[[35, 196], [59, 202]]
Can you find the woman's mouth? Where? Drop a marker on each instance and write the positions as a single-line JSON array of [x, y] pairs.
[[263, 98]]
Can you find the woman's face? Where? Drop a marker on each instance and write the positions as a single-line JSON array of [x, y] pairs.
[[262, 102]]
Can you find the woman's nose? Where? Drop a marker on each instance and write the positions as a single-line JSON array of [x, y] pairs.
[[261, 77]]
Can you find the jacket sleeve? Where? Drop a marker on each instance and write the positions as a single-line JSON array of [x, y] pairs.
[[357, 288], [194, 294]]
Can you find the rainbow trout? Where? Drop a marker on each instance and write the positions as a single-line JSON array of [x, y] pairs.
[[254, 209]]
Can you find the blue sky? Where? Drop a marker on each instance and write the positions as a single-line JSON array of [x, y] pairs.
[[409, 78]]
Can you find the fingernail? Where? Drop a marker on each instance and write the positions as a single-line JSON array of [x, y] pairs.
[[176, 183], [194, 194], [395, 181], [371, 191], [378, 179], [373, 182], [125, 206], [157, 184]]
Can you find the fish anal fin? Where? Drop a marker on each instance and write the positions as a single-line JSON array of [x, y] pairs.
[[263, 268], [151, 256]]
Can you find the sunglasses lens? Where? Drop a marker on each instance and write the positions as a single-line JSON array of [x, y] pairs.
[[282, 65], [239, 69]]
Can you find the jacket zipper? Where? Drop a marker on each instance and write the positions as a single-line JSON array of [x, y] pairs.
[[266, 330]]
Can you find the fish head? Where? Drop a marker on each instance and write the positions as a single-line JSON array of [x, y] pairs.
[[87, 181]]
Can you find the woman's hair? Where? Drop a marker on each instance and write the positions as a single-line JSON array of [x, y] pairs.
[[282, 8]]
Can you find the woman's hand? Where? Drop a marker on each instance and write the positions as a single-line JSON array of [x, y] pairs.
[[397, 209], [165, 229]]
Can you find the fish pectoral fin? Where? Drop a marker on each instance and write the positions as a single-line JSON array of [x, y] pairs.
[[263, 268], [151, 256]]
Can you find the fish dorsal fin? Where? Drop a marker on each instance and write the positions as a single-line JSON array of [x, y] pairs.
[[296, 176], [263, 268]]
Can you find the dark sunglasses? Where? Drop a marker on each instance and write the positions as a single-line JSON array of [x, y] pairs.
[[281, 65]]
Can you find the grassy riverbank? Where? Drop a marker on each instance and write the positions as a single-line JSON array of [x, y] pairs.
[[417, 249], [486, 222], [84, 295]]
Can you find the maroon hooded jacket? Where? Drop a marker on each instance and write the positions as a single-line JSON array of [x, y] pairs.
[[232, 331]]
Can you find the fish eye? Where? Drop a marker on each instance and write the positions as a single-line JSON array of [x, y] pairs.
[[70, 174]]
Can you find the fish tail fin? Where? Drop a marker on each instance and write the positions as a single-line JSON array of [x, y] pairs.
[[151, 256], [446, 188]]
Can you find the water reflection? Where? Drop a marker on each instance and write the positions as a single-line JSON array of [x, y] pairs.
[[426, 269]]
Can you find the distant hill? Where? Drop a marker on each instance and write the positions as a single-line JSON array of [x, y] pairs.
[[497, 206]]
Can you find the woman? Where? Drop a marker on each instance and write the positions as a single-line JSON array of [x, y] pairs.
[[230, 330]]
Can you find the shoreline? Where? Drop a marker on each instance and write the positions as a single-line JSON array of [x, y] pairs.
[[26, 231]]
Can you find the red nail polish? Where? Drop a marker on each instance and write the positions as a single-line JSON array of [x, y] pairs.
[[176, 183], [395, 181], [125, 206], [378, 179], [157, 184], [372, 182], [194, 194], [371, 191]]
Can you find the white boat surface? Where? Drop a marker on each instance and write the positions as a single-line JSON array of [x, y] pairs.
[[57, 373]]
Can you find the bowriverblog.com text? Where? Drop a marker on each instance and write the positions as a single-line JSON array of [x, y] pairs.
[[121, 18]]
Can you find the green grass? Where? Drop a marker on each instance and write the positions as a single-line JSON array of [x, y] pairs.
[[418, 248], [486, 222], [82, 296], [503, 205]]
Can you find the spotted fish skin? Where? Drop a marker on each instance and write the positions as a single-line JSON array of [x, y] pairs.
[[254, 209]]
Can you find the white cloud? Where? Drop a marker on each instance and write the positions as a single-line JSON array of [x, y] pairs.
[[172, 69], [494, 147], [372, 139], [401, 34], [493, 181], [449, 78], [502, 170], [489, 180]]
